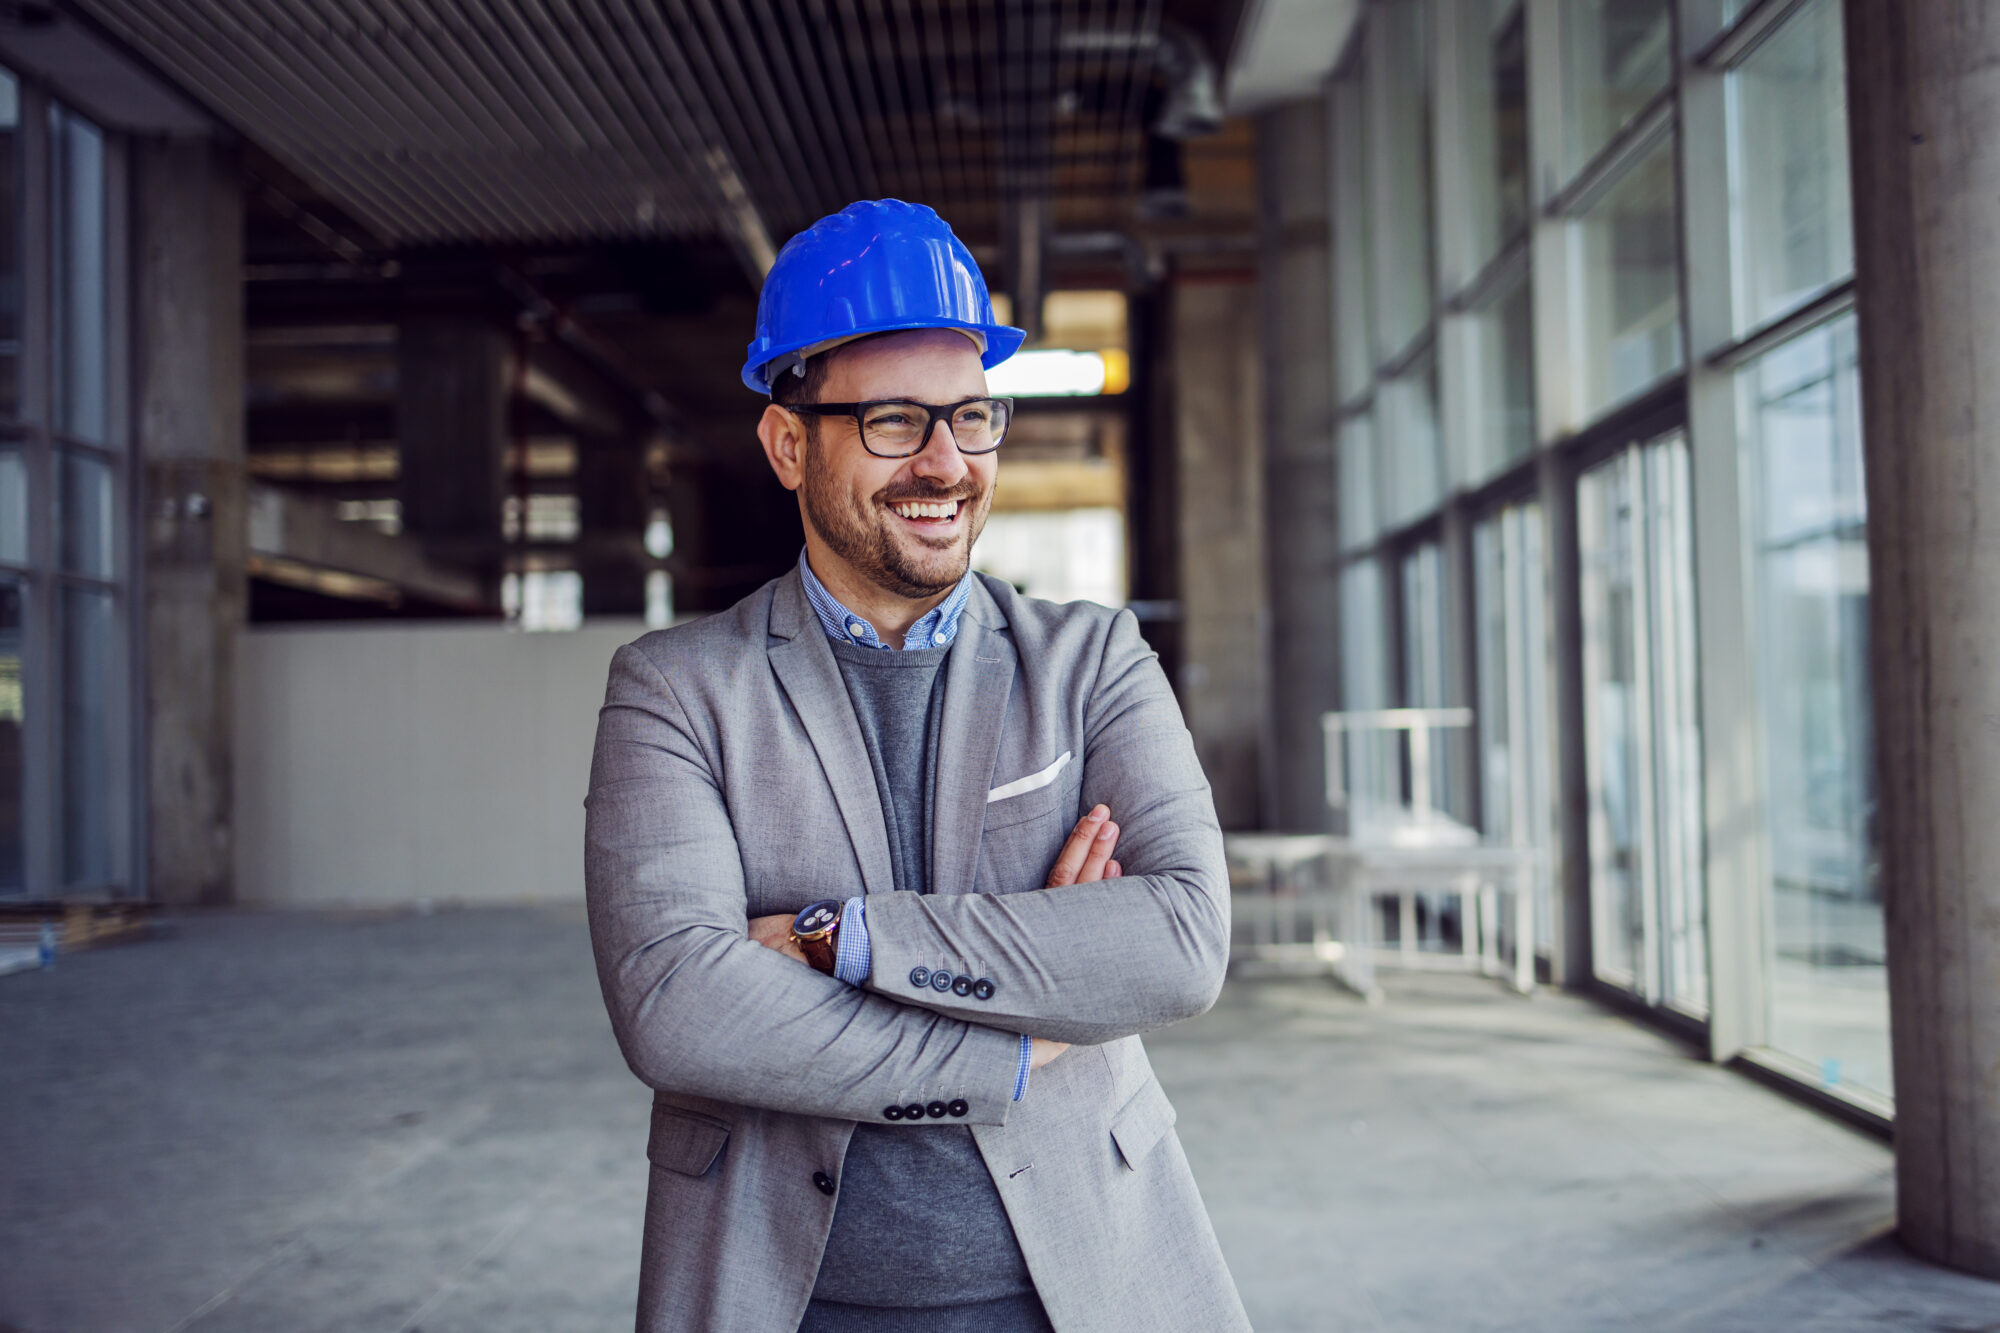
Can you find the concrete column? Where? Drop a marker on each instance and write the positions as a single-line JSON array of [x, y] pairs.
[[611, 501], [454, 375], [1302, 547], [1218, 412], [188, 293], [1924, 107]]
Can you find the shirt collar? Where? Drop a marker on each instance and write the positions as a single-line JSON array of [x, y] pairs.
[[936, 628]]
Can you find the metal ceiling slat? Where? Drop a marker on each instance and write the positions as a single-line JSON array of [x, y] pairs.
[[763, 141], [710, 123], [253, 108], [842, 174], [662, 125], [577, 84], [853, 36], [824, 181], [895, 94], [505, 60], [367, 108], [457, 61], [823, 40], [748, 56]]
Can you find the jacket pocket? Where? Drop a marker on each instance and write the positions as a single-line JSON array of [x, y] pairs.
[[684, 1141], [1142, 1122]]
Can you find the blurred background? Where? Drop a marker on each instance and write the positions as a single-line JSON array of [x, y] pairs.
[[1464, 394]]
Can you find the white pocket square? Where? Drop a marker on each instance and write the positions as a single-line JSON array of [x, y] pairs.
[[1029, 783]]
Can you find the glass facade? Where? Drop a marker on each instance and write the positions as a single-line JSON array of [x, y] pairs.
[[66, 675], [1794, 229], [1641, 729], [1627, 304], [1617, 57], [1559, 387]]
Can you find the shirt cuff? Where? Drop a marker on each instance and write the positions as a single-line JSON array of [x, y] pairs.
[[853, 960], [1021, 1070]]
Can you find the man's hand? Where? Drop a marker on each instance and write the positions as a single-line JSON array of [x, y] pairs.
[[775, 933], [1086, 857]]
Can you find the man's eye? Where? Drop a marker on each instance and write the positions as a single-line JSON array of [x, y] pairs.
[[973, 416], [889, 419]]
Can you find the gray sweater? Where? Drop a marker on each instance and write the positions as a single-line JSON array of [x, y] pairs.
[[918, 1221]]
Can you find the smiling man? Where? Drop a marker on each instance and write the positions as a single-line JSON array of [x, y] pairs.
[[888, 866]]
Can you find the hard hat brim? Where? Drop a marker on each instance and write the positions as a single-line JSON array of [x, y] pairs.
[[1002, 341]]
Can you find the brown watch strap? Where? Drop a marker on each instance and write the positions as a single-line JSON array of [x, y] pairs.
[[819, 950]]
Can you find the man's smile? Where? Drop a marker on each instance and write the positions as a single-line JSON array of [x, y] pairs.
[[932, 517]]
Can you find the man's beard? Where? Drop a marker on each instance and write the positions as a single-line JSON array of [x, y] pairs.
[[863, 538]]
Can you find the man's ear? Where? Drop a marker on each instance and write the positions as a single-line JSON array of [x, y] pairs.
[[783, 436]]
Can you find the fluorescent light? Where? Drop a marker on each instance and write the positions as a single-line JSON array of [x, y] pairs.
[[1049, 373]]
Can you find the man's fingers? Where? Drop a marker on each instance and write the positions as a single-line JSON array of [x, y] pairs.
[[1045, 1051], [1112, 870], [1070, 860], [1100, 851]]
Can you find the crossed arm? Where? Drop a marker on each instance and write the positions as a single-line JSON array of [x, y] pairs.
[[1085, 859], [701, 1008]]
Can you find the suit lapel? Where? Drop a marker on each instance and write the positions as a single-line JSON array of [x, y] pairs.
[[979, 678], [811, 679]]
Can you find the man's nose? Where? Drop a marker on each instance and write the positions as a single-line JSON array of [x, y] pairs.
[[939, 459]]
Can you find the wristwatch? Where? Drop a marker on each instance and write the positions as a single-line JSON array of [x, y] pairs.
[[816, 930]]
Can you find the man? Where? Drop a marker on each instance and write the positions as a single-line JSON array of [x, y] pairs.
[[841, 898]]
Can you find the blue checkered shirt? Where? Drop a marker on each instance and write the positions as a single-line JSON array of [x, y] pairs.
[[853, 961]]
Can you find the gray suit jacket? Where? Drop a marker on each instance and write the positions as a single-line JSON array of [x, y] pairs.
[[730, 780]]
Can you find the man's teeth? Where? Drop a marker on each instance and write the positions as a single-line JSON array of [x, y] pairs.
[[927, 509]]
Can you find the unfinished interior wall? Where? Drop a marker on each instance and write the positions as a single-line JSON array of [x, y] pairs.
[[381, 766]]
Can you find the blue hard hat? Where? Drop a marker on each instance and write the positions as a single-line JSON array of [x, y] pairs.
[[873, 267]]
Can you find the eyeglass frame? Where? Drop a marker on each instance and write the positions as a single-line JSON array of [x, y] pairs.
[[937, 413]]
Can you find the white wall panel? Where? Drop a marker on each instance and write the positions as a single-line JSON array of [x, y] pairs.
[[382, 765]]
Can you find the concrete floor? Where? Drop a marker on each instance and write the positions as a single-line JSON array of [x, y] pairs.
[[403, 1123]]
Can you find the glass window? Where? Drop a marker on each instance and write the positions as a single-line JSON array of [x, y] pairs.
[[10, 246], [1357, 481], [1642, 747], [1353, 254], [1502, 374], [13, 505], [1493, 74], [1793, 218], [13, 716], [1402, 136], [1627, 272], [1617, 57], [91, 773], [1412, 470], [77, 240], [1517, 774], [1371, 772], [87, 520], [1801, 406], [1427, 677]]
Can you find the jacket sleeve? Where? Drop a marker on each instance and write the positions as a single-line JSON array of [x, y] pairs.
[[696, 1005], [1090, 963]]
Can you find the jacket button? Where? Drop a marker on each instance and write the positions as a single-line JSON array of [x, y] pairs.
[[914, 1111], [961, 986], [940, 980], [892, 1113], [823, 1181], [920, 976], [958, 1107], [983, 989], [935, 1110]]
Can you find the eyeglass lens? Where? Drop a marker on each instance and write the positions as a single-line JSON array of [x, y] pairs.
[[901, 427]]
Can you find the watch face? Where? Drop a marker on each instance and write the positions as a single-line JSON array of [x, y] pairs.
[[816, 918]]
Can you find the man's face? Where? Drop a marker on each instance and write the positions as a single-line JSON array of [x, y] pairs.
[[880, 515]]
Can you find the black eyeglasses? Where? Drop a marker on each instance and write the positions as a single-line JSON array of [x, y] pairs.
[[893, 428]]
